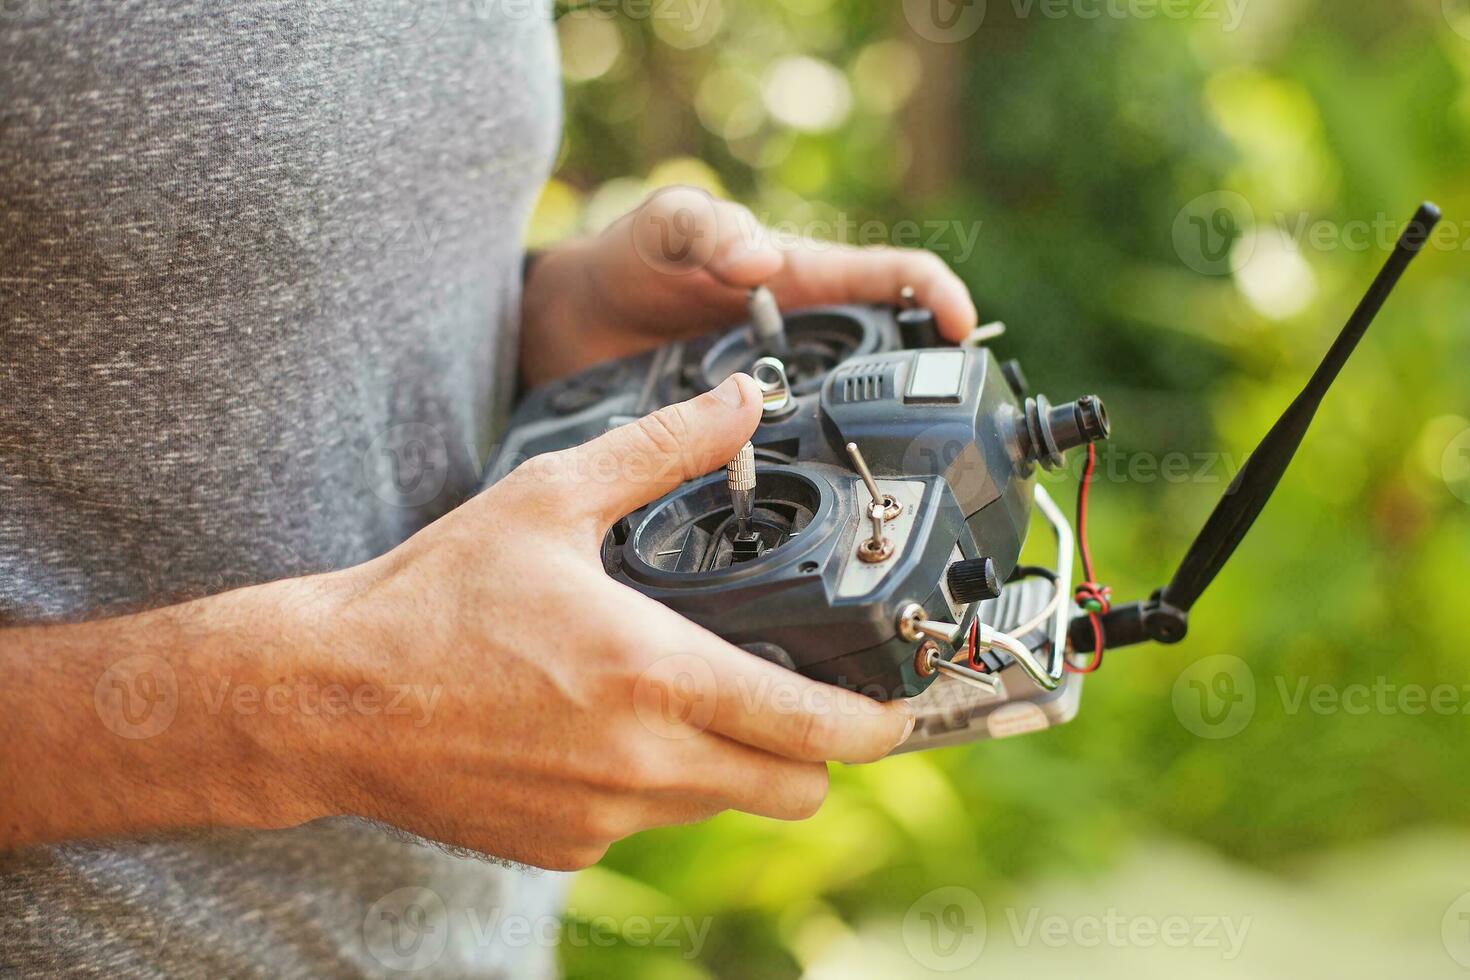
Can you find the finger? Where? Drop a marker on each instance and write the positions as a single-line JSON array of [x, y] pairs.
[[696, 681], [680, 231], [817, 273], [637, 463], [684, 780], [744, 256], [734, 776], [712, 771]]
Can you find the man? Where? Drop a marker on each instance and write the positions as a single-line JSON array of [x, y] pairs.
[[262, 275]]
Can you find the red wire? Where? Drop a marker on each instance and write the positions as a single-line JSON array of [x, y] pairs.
[[1090, 589], [1082, 493]]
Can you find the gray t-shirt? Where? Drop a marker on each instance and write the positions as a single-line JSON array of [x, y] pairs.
[[259, 280]]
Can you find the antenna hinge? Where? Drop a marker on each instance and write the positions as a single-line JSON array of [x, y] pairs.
[[1154, 621]]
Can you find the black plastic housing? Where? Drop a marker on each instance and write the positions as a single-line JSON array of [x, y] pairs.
[[940, 427]]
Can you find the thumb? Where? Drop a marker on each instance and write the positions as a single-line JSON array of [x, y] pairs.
[[637, 463]]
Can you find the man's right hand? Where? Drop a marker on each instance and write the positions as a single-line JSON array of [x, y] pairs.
[[574, 710], [554, 711]]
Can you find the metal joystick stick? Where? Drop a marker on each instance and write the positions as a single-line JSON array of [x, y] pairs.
[[766, 321], [740, 479]]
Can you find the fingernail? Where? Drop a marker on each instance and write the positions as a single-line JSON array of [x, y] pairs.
[[907, 730], [730, 392]]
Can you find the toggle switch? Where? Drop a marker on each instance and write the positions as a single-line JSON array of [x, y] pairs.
[[881, 508], [766, 321]]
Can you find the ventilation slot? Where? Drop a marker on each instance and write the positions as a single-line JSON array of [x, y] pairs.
[[866, 384]]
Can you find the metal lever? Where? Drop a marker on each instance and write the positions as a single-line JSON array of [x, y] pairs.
[[891, 507], [960, 672]]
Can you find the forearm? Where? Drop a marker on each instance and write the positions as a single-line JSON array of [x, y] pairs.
[[138, 724]]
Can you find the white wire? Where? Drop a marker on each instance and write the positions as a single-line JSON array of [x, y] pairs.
[[1045, 614]]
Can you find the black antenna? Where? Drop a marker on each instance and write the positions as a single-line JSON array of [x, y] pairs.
[[1165, 617]]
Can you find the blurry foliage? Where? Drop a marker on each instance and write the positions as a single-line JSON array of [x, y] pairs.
[[1075, 143]]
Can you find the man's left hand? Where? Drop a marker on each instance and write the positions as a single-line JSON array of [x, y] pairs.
[[680, 265]]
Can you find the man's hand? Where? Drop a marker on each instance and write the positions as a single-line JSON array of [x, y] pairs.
[[680, 266], [577, 711], [554, 711]]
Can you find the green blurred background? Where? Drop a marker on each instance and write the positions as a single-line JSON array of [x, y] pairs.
[[1177, 206]]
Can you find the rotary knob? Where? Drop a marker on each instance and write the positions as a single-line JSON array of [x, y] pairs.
[[973, 580]]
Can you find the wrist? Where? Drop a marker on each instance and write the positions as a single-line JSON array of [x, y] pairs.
[[558, 322], [291, 714]]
